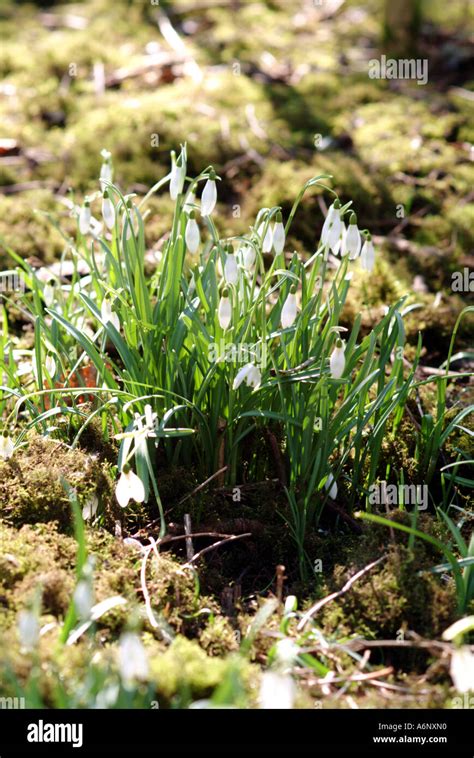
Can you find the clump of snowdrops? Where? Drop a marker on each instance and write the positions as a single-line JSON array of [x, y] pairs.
[[226, 338]]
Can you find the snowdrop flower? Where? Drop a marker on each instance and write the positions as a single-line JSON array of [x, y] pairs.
[[276, 690], [133, 659], [351, 241], [231, 269], [209, 195], [48, 292], [286, 652], [192, 234], [225, 310], [248, 255], [90, 508], [28, 629], [337, 361], [249, 374], [289, 310], [462, 669], [108, 210], [108, 315], [332, 226], [106, 169], [6, 446], [129, 487], [85, 218], [50, 365], [83, 599], [178, 175], [367, 255], [330, 485], [278, 235], [267, 241]]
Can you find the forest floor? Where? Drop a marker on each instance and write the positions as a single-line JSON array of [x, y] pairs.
[[270, 93]]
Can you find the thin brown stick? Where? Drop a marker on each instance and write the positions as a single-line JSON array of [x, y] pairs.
[[317, 606], [189, 540], [216, 545], [202, 485]]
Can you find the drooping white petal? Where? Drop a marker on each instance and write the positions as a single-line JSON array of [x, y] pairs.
[[48, 294], [109, 315], [192, 236], [462, 669], [231, 269], [330, 486], [351, 242], [277, 691], [50, 365], [267, 240], [28, 629], [129, 487], [248, 255], [289, 311], [6, 447], [224, 312], [254, 377], [85, 219], [278, 237], [367, 256], [133, 659], [83, 599], [108, 212], [90, 508], [337, 362], [208, 198], [178, 176]]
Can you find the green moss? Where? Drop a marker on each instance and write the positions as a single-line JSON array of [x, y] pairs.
[[31, 490]]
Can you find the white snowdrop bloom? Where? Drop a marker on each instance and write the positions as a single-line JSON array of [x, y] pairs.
[[332, 227], [178, 175], [192, 234], [231, 269], [278, 235], [6, 446], [50, 365], [286, 652], [268, 239], [48, 293], [225, 311], [330, 485], [106, 172], [108, 211], [85, 218], [129, 487], [367, 255], [337, 361], [90, 508], [289, 310], [462, 669], [209, 195], [336, 248], [132, 658], [250, 374], [351, 241], [109, 315], [276, 690], [83, 599], [248, 255], [28, 629]]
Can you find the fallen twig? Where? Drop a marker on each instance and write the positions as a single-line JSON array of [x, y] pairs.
[[216, 545], [317, 606]]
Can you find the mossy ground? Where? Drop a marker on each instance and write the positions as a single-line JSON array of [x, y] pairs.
[[271, 110]]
